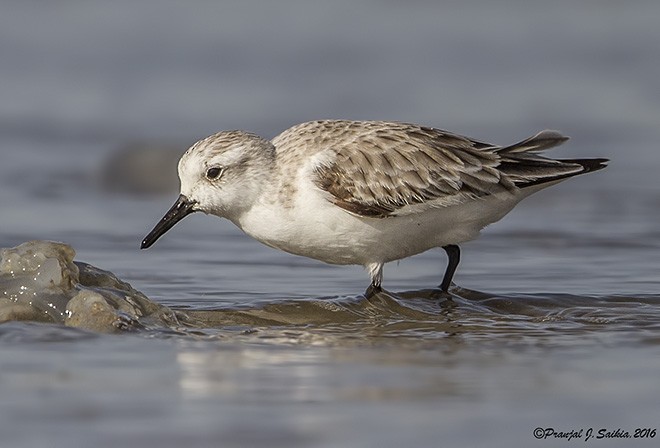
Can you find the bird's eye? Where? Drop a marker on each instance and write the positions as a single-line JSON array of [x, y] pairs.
[[214, 173]]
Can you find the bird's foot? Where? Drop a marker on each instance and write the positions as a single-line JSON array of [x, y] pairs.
[[372, 290]]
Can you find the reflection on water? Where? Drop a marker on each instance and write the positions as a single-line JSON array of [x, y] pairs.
[[424, 316]]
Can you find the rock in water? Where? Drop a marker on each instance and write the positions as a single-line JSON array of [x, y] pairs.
[[40, 281]]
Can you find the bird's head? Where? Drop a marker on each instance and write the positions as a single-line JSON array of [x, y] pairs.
[[222, 175]]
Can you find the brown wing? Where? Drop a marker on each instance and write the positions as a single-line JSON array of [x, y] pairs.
[[384, 167], [381, 167]]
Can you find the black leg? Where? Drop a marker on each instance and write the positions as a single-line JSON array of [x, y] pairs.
[[454, 254]]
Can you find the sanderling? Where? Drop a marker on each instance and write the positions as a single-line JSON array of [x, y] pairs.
[[363, 192]]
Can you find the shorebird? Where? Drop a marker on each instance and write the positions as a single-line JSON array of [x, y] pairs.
[[364, 192]]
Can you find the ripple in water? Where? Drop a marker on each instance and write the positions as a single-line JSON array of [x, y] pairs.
[[40, 281]]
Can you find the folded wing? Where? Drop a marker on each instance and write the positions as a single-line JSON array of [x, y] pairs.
[[381, 168]]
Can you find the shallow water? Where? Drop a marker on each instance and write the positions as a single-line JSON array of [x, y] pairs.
[[556, 319]]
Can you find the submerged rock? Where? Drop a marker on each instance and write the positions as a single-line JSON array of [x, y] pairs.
[[40, 281]]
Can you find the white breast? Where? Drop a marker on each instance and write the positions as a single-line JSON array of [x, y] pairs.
[[315, 228]]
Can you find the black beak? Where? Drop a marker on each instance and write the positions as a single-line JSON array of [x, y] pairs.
[[181, 208]]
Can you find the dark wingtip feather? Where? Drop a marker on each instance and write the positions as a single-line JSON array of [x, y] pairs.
[[590, 165]]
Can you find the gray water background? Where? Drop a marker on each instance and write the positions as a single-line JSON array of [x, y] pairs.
[[563, 331]]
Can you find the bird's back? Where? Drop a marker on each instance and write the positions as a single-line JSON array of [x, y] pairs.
[[380, 169]]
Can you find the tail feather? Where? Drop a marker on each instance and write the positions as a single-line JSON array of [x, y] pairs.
[[540, 142], [524, 174], [524, 166], [588, 165]]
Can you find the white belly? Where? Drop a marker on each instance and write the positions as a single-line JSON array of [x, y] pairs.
[[318, 229]]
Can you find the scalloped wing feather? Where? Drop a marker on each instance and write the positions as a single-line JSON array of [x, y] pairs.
[[380, 169]]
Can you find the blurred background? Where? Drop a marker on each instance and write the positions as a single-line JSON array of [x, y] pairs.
[[99, 99]]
